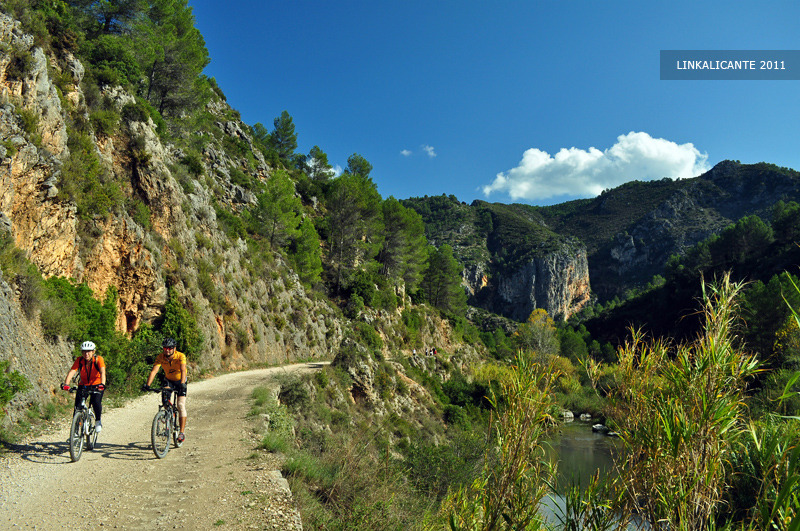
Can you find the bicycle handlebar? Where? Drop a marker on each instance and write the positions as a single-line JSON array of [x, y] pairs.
[[89, 389]]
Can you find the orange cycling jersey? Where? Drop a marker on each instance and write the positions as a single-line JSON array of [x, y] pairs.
[[172, 367], [89, 370]]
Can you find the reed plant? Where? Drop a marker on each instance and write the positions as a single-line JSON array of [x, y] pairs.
[[680, 412], [507, 495]]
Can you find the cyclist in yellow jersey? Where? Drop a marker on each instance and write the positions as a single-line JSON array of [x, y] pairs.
[[174, 365]]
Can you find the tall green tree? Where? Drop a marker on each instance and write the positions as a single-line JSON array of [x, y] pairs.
[[316, 165], [173, 54], [786, 222], [354, 223], [306, 253], [765, 312], [442, 281], [181, 325], [275, 213], [109, 16], [283, 138], [403, 255], [358, 165], [748, 237]]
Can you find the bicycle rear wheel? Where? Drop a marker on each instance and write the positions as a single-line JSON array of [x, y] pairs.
[[91, 434], [160, 434], [76, 436]]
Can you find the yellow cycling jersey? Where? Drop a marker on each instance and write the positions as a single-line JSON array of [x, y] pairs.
[[172, 367]]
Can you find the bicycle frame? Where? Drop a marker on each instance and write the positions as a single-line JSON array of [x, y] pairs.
[[82, 429], [165, 423]]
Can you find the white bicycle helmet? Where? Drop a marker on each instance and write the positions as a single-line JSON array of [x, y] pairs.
[[87, 345]]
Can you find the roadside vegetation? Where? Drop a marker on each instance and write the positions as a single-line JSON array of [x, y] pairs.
[[696, 455]]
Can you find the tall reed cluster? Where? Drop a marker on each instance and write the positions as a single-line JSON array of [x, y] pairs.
[[516, 473], [693, 459], [679, 411]]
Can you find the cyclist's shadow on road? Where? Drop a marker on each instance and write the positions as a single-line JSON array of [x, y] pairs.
[[57, 453], [133, 451]]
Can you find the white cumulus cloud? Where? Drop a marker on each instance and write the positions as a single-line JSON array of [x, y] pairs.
[[429, 150], [405, 153], [586, 173]]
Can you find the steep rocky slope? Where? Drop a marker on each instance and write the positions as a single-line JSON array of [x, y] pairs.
[[164, 234], [116, 250], [520, 257]]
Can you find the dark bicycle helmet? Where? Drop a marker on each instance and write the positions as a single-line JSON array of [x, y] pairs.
[[169, 343]]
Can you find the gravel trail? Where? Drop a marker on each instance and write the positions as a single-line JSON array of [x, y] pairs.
[[212, 482]]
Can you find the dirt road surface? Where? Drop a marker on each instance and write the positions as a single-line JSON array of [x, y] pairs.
[[212, 482]]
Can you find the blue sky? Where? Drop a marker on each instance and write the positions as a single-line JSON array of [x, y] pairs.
[[507, 101]]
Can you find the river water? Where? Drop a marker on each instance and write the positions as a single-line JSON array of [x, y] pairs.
[[580, 453]]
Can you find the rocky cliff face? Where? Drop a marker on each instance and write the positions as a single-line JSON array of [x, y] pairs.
[[557, 282], [512, 262], [267, 320]]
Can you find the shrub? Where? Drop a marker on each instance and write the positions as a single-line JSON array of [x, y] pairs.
[[141, 214], [11, 383], [294, 395], [435, 469], [21, 63], [84, 181], [367, 335], [193, 164], [104, 122], [456, 416], [354, 306]]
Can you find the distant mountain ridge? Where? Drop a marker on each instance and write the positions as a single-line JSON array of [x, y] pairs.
[[627, 233]]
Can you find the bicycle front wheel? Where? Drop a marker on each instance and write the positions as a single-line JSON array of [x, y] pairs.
[[76, 436], [91, 434], [160, 434]]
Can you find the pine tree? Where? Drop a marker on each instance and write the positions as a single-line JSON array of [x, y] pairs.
[[275, 213], [173, 53], [442, 281], [358, 165], [317, 166], [307, 259], [283, 138], [403, 255], [354, 222]]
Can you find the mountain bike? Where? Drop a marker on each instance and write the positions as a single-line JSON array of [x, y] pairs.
[[165, 423], [81, 431]]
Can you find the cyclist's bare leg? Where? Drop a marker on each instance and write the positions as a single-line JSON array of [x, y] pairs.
[[181, 404]]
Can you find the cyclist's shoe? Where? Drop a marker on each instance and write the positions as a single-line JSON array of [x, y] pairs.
[[98, 427], [181, 437]]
